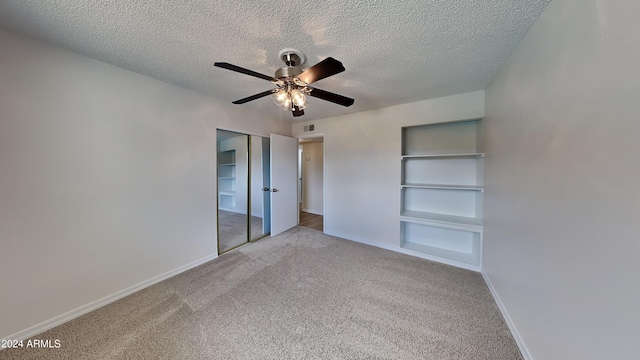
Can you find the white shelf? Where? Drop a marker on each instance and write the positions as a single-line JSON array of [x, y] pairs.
[[443, 156], [471, 259], [443, 220], [227, 193], [444, 187]]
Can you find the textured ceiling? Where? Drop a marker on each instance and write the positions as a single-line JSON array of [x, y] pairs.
[[394, 51]]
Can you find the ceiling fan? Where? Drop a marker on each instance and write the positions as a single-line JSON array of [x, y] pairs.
[[293, 83]]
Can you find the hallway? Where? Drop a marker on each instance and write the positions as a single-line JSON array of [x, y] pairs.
[[311, 221]]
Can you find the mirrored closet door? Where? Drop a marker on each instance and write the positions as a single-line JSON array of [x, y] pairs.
[[243, 189]]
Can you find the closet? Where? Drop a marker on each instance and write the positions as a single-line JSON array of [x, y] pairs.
[[242, 188]]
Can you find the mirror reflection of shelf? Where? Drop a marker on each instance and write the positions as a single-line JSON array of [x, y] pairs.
[[227, 179]]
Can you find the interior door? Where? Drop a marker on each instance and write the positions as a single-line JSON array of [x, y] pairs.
[[284, 183]]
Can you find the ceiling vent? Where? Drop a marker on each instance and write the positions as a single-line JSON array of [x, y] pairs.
[[308, 128]]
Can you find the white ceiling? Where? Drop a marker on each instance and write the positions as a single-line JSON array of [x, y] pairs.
[[394, 51]]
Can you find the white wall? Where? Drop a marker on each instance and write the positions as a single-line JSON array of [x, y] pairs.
[[107, 179], [362, 163], [562, 202], [312, 177]]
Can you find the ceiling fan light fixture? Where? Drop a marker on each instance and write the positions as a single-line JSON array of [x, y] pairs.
[[288, 97], [299, 82], [298, 98], [282, 99]]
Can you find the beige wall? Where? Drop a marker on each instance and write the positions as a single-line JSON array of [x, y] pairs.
[[107, 179], [562, 205]]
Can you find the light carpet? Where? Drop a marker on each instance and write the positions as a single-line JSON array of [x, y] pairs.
[[299, 295]]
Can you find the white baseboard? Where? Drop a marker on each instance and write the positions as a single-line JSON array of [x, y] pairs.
[[312, 211], [514, 331], [404, 251], [68, 316], [362, 241]]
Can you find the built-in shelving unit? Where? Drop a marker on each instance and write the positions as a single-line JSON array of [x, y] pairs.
[[442, 189], [227, 180]]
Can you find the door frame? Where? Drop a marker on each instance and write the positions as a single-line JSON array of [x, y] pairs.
[[324, 171]]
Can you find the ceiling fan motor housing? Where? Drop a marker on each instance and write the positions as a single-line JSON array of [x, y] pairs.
[[288, 72], [293, 58]]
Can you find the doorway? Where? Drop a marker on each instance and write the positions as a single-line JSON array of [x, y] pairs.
[[311, 173]]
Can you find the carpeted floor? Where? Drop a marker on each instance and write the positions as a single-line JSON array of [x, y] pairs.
[[300, 295]]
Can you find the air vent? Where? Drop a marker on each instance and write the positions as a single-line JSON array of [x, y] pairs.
[[308, 128]]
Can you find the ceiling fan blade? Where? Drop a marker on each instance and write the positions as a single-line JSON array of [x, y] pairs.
[[329, 96], [242, 70], [325, 68], [297, 112], [256, 96]]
